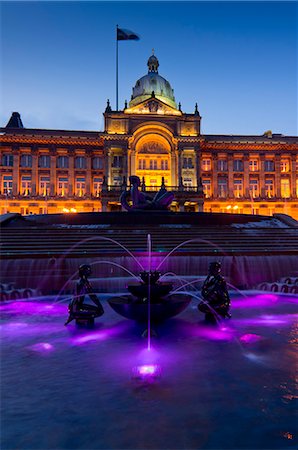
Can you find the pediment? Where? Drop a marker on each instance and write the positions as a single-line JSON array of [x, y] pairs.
[[153, 105]]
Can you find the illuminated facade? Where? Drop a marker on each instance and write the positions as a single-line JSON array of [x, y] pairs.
[[49, 171]]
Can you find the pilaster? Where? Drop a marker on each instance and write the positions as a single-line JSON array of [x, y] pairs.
[[16, 171], [230, 175]]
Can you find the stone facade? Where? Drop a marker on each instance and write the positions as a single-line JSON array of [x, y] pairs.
[[50, 171]]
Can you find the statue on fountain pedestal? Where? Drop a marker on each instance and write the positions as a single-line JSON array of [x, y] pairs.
[[84, 313], [215, 294], [142, 201]]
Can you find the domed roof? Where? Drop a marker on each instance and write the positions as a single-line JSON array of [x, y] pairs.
[[152, 82]]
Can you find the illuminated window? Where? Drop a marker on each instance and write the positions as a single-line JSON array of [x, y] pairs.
[[26, 185], [62, 186], [44, 161], [222, 187], [153, 164], [164, 164], [269, 188], [7, 184], [238, 165], [187, 163], [238, 188], [253, 165], [117, 161], [153, 183], [44, 186], [62, 162], [254, 188], [97, 182], [80, 187], [222, 165], [285, 187], [7, 160], [207, 187], [142, 164], [26, 161], [206, 165], [80, 162], [269, 165], [284, 165], [97, 162]]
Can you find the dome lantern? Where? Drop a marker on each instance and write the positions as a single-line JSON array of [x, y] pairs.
[[152, 63]]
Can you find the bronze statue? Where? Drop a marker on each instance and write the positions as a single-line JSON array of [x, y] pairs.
[[215, 294], [82, 312], [142, 201]]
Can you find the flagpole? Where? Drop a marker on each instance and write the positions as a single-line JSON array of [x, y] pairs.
[[117, 68]]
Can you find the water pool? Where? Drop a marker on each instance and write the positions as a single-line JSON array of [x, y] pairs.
[[219, 388]]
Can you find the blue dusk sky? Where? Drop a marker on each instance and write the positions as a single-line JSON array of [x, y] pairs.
[[237, 60]]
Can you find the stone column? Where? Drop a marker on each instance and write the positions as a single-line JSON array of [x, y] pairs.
[[214, 175], [53, 158], [34, 172], [294, 194], [277, 176], [133, 162], [198, 165], [230, 175], [16, 172], [262, 175], [174, 167], [246, 174], [71, 173], [88, 154]]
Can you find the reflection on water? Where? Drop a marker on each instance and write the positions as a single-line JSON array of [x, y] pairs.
[[228, 387]]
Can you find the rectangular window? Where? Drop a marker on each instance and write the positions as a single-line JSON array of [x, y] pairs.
[[62, 186], [284, 165], [222, 165], [26, 185], [153, 164], [269, 188], [26, 161], [7, 160], [222, 187], [44, 186], [207, 187], [117, 161], [253, 165], [206, 165], [44, 161], [164, 164], [187, 163], [80, 162], [7, 184], [254, 188], [80, 187], [97, 162], [269, 165], [238, 165], [238, 188], [62, 162], [142, 164], [285, 187], [97, 182]]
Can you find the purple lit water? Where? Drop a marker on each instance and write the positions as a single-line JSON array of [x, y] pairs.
[[199, 387]]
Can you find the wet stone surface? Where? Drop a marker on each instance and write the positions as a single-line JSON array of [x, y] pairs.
[[230, 387]]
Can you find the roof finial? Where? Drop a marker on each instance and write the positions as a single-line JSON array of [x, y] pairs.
[[153, 51]]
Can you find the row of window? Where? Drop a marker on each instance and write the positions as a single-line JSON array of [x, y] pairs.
[[238, 165], [80, 162], [153, 164], [62, 187], [254, 187], [62, 162]]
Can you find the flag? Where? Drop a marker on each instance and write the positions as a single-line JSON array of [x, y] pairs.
[[125, 35]]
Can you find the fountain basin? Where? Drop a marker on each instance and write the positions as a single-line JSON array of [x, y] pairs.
[[133, 308]]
